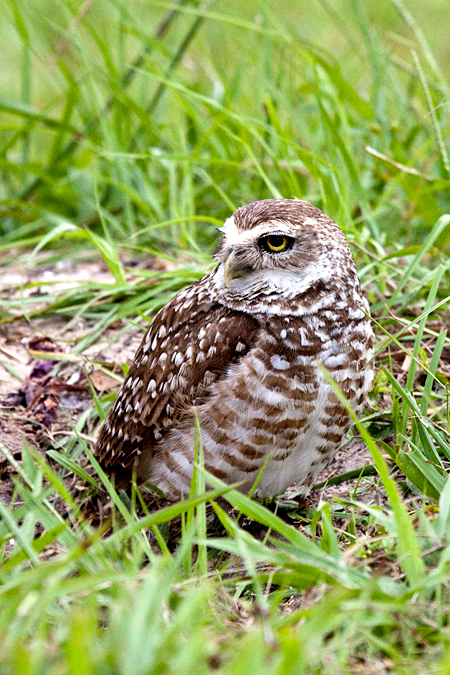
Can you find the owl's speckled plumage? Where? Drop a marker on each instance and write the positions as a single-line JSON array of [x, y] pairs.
[[240, 349]]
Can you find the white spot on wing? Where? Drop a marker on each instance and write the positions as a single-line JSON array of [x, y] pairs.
[[179, 359]]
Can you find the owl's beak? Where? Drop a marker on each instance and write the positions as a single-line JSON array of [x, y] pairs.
[[234, 268]]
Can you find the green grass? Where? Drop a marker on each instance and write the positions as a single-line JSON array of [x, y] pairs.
[[132, 130]]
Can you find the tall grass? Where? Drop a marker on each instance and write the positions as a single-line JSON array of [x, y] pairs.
[[132, 131]]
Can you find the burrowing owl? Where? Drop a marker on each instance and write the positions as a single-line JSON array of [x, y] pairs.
[[239, 348]]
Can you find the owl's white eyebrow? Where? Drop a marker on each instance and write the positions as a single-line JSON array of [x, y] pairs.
[[277, 233], [233, 234]]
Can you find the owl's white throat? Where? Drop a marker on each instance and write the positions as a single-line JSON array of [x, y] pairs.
[[284, 282]]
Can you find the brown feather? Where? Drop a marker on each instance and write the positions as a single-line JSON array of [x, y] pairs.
[[230, 335]]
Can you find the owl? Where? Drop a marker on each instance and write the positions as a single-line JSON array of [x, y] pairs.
[[238, 353]]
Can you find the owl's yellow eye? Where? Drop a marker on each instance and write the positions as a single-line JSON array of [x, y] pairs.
[[276, 243]]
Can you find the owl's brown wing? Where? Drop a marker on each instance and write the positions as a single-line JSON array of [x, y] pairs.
[[190, 345]]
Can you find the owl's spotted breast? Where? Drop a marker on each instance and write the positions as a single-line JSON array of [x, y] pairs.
[[239, 350], [272, 401]]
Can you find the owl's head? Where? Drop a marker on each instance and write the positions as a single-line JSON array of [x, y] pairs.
[[280, 245]]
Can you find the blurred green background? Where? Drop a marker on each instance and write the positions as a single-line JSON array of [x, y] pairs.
[[123, 117]]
